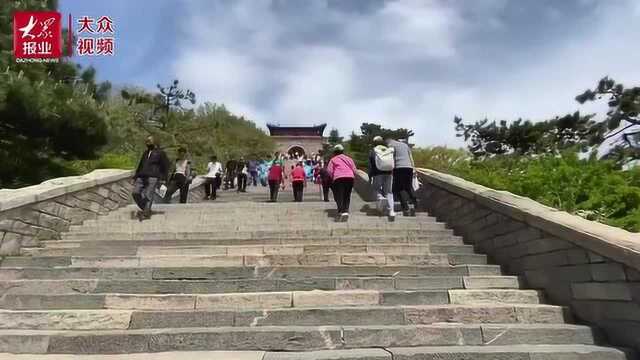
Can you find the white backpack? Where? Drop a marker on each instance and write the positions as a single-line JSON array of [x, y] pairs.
[[384, 158]]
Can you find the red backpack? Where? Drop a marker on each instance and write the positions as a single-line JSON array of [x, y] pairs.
[[275, 172]]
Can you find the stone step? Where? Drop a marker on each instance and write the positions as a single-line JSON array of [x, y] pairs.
[[242, 206], [99, 286], [216, 215], [168, 355], [289, 338], [306, 217], [490, 352], [267, 300], [246, 260], [288, 249], [282, 228], [339, 316], [197, 240], [248, 272], [272, 233], [258, 222]]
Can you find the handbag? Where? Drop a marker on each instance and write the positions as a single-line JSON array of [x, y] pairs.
[[415, 183], [161, 191]]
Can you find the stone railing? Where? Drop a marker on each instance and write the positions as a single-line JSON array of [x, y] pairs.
[[41, 212], [362, 186], [591, 267], [196, 193]]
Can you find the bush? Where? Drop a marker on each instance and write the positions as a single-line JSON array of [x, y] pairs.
[[106, 161], [591, 188], [440, 158]]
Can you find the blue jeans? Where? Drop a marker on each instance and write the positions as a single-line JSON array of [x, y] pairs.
[[143, 190]]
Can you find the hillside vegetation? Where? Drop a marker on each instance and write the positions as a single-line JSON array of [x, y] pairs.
[[56, 120]]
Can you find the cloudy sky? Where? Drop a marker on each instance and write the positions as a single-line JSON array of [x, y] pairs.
[[413, 63]]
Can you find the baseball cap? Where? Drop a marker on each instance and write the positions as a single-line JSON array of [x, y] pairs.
[[338, 147]]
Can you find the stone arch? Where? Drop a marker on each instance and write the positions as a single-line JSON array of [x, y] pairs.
[[296, 148]]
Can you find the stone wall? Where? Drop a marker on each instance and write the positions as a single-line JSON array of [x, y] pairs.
[[591, 267], [41, 212], [196, 193], [362, 186]]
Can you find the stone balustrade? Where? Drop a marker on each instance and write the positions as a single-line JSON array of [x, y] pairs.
[[591, 267], [41, 212]]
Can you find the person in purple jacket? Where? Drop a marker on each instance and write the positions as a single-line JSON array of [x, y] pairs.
[[342, 170]]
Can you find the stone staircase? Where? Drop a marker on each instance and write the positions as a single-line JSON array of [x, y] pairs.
[[243, 274]]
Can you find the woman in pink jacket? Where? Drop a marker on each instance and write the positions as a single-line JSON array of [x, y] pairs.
[[342, 170]]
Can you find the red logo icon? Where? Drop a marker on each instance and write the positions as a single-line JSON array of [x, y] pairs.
[[37, 35]]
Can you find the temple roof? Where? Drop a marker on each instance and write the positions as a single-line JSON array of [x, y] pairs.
[[315, 130]]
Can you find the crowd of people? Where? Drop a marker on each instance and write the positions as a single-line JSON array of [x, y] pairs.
[[390, 170]]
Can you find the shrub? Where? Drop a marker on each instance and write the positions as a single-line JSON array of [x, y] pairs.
[[591, 188]]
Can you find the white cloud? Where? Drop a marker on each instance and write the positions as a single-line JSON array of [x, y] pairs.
[[319, 82], [407, 29], [406, 64]]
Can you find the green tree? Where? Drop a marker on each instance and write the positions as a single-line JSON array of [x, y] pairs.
[[524, 137], [334, 137], [623, 114], [360, 145], [624, 103], [49, 112]]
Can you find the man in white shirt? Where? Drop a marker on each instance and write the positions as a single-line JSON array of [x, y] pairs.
[[180, 179], [213, 178], [243, 175]]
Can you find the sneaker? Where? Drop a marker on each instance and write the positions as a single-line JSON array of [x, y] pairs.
[[380, 205], [392, 216], [405, 213], [139, 215], [412, 211], [146, 214], [344, 217]]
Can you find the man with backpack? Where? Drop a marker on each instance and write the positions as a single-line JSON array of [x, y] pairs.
[[403, 175], [381, 164]]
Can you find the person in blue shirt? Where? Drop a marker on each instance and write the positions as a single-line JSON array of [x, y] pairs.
[[262, 172], [308, 171]]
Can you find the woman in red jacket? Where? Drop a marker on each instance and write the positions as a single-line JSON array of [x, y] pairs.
[[275, 178], [298, 182]]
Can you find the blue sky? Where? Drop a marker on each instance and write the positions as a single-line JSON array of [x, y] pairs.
[[405, 63]]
